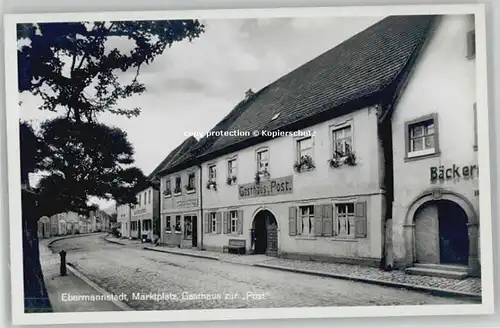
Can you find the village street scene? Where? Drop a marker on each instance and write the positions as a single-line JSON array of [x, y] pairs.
[[277, 174]]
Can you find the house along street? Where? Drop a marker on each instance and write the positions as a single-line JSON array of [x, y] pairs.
[[147, 280]]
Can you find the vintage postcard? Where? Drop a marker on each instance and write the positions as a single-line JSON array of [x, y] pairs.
[[245, 164]]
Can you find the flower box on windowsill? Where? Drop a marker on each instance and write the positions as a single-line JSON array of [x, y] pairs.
[[167, 193], [304, 164], [231, 180], [189, 189], [178, 194], [192, 191], [261, 175], [343, 159], [212, 185]]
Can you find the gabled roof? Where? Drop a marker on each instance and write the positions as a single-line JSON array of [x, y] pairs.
[[173, 156], [348, 77]]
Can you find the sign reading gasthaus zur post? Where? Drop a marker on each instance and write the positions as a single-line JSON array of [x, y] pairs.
[[271, 187]]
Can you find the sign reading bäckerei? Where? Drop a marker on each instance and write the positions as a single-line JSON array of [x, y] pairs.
[[270, 187]]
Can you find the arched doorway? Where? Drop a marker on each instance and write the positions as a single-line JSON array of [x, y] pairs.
[[441, 233], [265, 233]]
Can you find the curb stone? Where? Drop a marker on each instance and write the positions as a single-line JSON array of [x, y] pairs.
[[431, 290], [122, 305], [113, 241], [69, 237], [182, 254]]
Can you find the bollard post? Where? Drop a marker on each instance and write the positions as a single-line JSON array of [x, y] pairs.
[[62, 254]]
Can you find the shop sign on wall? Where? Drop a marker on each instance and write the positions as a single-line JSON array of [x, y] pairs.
[[442, 173], [271, 187]]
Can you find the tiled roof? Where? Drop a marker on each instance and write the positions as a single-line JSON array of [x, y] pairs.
[[361, 67], [174, 155]]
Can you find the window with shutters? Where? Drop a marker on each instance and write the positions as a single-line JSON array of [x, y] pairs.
[[178, 228], [305, 226], [344, 223], [168, 224], [213, 222], [233, 221], [188, 228], [422, 137]]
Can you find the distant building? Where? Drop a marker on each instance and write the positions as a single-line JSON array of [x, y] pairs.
[[123, 216]]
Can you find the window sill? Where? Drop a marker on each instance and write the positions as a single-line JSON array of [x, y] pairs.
[[178, 194], [167, 196], [344, 239], [421, 157], [178, 232], [305, 238], [305, 170], [191, 191]]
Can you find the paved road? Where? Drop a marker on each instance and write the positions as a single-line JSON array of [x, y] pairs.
[[194, 283]]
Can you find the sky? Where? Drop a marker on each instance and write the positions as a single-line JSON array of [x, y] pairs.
[[193, 85]]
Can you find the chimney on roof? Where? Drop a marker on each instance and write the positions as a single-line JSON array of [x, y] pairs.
[[249, 94]]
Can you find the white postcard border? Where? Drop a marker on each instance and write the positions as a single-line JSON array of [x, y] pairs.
[[14, 185]]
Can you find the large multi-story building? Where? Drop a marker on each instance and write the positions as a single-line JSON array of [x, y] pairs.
[[377, 174]]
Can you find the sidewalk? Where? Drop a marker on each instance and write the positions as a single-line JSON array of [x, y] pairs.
[[469, 287], [61, 289]]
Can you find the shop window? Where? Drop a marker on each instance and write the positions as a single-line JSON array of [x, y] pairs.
[[168, 224], [177, 224], [422, 137], [188, 227]]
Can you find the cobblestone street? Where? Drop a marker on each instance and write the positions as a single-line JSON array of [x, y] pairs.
[[189, 282]]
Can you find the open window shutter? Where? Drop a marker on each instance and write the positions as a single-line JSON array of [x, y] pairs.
[[218, 221], [475, 125], [318, 220], [292, 221], [360, 217], [206, 227], [327, 220], [240, 222], [224, 222]]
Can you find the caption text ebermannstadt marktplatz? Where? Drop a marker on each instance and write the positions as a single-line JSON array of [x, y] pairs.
[[164, 297]]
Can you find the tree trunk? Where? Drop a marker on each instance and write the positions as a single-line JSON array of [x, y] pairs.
[[35, 293]]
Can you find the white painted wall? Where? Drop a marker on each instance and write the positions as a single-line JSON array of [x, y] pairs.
[[319, 186], [442, 82], [187, 203]]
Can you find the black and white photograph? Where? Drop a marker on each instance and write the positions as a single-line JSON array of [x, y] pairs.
[[245, 164]]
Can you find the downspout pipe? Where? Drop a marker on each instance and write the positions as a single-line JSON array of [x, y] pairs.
[[201, 209]]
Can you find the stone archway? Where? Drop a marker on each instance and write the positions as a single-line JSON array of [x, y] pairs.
[[265, 233], [433, 197]]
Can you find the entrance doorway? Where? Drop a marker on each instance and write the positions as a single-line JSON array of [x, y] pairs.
[[265, 229], [194, 227], [441, 233]]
